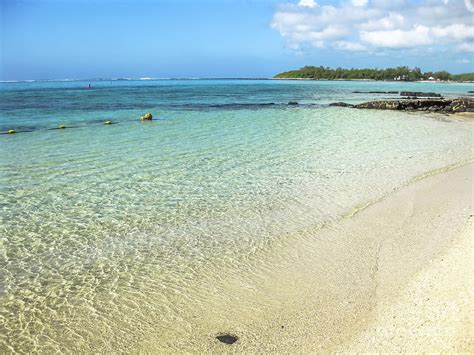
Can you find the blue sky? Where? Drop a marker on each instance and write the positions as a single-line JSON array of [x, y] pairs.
[[48, 39]]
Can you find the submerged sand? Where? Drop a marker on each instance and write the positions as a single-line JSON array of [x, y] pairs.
[[396, 276]]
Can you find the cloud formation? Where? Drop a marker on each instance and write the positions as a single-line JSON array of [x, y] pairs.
[[378, 25], [307, 3]]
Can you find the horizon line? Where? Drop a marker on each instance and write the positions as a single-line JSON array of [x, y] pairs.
[[133, 79]]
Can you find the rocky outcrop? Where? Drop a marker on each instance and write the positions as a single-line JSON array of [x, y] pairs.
[[462, 105], [375, 92], [419, 94], [341, 104], [430, 105], [411, 94]]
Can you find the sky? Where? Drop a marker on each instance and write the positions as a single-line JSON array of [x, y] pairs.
[[75, 39]]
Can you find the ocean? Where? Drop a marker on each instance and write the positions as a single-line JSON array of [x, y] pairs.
[[158, 235]]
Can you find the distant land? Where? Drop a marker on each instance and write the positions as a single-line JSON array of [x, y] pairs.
[[397, 74]]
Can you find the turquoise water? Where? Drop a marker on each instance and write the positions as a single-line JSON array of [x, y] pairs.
[[114, 234]]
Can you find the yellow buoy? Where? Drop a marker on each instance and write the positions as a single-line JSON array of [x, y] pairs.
[[146, 117], [61, 126], [11, 131], [108, 122]]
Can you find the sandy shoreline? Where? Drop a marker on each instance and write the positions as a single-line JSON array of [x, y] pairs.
[[423, 298], [431, 308], [393, 277], [423, 293], [424, 283], [433, 313]]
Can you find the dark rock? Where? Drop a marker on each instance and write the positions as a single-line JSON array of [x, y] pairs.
[[227, 338], [375, 92], [292, 103], [470, 92], [341, 104], [381, 105], [462, 105], [431, 105], [419, 94]]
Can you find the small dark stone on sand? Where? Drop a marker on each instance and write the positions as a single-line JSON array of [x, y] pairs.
[[227, 338]]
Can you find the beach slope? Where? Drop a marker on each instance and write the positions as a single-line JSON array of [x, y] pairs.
[[424, 298], [393, 276]]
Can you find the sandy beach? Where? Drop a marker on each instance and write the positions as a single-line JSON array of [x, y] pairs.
[[431, 310], [296, 228], [423, 283], [433, 313], [401, 280], [256, 177]]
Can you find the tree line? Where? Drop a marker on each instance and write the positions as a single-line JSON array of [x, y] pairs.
[[398, 73]]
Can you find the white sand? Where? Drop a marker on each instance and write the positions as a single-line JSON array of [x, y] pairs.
[[397, 276], [424, 298], [433, 313]]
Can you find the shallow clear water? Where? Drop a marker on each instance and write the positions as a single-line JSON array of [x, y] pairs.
[[111, 234]]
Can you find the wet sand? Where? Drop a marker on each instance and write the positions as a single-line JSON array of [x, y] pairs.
[[395, 276]]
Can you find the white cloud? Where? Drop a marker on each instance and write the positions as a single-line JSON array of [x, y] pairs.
[[349, 46], [463, 61], [469, 5], [359, 3], [390, 22], [377, 25], [454, 32], [307, 3], [466, 47], [418, 36]]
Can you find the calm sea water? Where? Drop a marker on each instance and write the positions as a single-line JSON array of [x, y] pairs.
[[112, 236]]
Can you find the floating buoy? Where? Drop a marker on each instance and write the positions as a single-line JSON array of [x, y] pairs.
[[62, 126], [108, 122], [11, 131], [146, 117]]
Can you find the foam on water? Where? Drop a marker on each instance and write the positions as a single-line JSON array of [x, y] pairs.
[[118, 236]]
